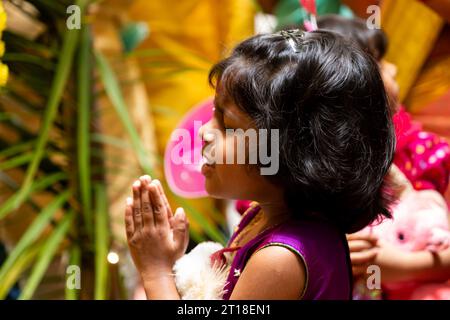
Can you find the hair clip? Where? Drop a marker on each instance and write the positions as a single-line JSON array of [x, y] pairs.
[[292, 37]]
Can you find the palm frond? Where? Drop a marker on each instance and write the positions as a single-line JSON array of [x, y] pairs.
[[101, 243], [115, 95], [61, 75], [46, 254], [83, 130]]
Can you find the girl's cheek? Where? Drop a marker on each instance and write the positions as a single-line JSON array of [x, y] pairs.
[[238, 153], [218, 148], [228, 149], [227, 144]]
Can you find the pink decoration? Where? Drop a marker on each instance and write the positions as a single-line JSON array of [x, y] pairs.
[[183, 179], [310, 6], [308, 26]]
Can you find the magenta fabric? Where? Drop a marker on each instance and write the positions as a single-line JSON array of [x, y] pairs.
[[323, 248], [422, 156], [242, 206]]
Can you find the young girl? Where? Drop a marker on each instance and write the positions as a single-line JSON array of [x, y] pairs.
[[421, 158], [336, 143]]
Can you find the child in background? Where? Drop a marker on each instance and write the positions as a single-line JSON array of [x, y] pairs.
[[422, 162], [336, 144]]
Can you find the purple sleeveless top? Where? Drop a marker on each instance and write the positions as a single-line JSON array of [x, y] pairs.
[[322, 248]]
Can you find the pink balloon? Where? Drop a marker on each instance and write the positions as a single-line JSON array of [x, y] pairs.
[[186, 180]]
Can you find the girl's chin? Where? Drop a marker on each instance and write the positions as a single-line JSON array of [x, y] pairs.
[[214, 190], [211, 189]]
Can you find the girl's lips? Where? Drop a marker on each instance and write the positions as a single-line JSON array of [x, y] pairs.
[[207, 166]]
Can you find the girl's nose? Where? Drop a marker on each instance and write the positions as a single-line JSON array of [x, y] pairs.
[[204, 130]]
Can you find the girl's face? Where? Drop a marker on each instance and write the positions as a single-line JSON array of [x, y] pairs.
[[231, 179], [389, 73]]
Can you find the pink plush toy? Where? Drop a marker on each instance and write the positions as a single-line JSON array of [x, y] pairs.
[[420, 222]]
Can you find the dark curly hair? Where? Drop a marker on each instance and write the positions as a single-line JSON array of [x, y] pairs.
[[327, 99]]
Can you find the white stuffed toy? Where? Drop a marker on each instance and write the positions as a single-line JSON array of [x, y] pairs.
[[197, 277]]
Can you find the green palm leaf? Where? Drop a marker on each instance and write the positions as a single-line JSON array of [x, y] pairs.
[[16, 148], [46, 254], [83, 130], [17, 161], [33, 232], [52, 83], [61, 75], [38, 185], [75, 260], [18, 268], [115, 95], [101, 243]]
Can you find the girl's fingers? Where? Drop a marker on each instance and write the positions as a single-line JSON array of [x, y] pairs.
[[363, 257], [145, 181], [129, 225], [137, 215], [147, 210], [363, 236], [164, 198], [159, 209], [359, 245], [186, 235]]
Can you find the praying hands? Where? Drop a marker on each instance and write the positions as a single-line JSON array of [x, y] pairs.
[[156, 237]]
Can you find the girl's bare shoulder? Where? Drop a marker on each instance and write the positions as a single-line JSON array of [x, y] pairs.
[[273, 272]]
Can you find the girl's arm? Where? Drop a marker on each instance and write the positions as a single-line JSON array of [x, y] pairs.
[[161, 288], [398, 266], [272, 273]]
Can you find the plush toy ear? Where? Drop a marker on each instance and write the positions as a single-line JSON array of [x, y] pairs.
[[184, 177]]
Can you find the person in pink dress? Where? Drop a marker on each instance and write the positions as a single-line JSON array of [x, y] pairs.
[[421, 162]]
